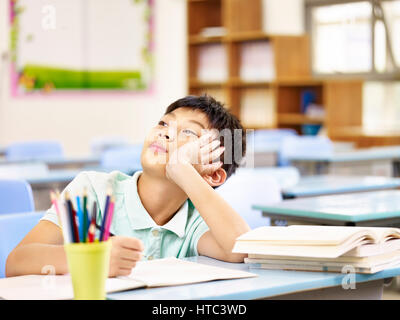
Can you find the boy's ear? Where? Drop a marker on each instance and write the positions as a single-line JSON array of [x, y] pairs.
[[217, 178]]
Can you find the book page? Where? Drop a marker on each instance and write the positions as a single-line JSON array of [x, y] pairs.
[[306, 235], [173, 271], [374, 249], [257, 247]]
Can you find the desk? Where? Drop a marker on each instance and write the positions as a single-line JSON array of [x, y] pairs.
[[73, 162], [270, 284], [62, 163], [377, 208], [331, 184], [372, 161], [265, 156]]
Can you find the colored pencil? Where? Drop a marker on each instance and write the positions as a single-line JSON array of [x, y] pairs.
[[109, 219], [62, 216], [80, 218], [85, 215], [92, 227], [55, 204], [105, 213], [72, 215]]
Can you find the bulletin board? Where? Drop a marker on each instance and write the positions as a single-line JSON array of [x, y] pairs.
[[80, 46]]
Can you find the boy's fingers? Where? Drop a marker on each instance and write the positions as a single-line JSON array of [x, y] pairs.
[[209, 136], [210, 157], [132, 244], [205, 139], [132, 255], [126, 264], [210, 147]]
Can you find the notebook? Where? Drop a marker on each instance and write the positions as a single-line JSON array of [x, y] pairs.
[[154, 273]]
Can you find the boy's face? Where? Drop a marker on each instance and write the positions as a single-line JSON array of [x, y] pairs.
[[174, 129]]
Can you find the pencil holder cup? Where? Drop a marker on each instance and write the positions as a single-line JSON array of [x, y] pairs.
[[88, 265]]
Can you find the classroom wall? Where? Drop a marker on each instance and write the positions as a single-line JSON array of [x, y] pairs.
[[75, 121]]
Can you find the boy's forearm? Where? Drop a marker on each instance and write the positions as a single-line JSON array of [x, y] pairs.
[[225, 223], [32, 258]]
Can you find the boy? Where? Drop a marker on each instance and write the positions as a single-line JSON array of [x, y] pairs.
[[153, 216]]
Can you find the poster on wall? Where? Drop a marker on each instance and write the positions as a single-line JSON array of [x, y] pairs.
[[81, 46]]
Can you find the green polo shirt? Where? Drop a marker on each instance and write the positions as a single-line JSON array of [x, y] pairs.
[[177, 238]]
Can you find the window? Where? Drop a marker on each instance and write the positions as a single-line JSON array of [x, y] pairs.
[[354, 37]]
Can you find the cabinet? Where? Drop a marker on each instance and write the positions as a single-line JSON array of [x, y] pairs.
[[264, 79]]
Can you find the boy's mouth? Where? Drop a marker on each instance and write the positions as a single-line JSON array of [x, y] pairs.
[[158, 148]]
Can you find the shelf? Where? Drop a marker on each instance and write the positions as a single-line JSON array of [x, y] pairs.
[[202, 0], [298, 119], [248, 36], [258, 127], [241, 21], [299, 82], [199, 39], [194, 83], [237, 82]]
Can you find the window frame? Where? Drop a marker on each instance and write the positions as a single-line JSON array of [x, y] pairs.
[[369, 75]]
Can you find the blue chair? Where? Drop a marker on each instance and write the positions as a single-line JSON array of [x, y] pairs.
[[34, 150], [125, 159], [13, 228], [15, 196], [247, 187]]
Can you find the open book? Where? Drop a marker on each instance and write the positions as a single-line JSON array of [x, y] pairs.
[[155, 273], [317, 241]]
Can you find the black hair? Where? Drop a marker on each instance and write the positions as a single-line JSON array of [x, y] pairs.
[[226, 123]]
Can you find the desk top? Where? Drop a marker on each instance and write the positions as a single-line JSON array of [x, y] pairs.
[[268, 283], [355, 207], [330, 184], [63, 161], [367, 154], [67, 175]]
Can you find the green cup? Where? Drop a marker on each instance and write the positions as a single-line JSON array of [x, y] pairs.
[[88, 265]]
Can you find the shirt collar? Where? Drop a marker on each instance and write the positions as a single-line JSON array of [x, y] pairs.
[[139, 218]]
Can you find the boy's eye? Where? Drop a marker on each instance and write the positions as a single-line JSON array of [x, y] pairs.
[[187, 131], [162, 123]]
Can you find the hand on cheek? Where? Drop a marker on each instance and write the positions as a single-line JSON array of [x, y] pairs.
[[201, 154]]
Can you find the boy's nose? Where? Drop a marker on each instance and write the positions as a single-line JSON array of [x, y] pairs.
[[166, 135]]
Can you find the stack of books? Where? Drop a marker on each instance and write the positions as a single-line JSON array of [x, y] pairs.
[[212, 63], [321, 248], [256, 61], [257, 108]]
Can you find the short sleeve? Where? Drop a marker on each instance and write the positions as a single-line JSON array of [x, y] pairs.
[[75, 187], [199, 227]]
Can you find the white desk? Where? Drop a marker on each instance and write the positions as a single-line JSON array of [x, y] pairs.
[[375, 208], [270, 284], [60, 163], [383, 161], [332, 184]]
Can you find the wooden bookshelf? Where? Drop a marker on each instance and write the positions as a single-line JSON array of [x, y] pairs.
[[240, 23], [300, 119]]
